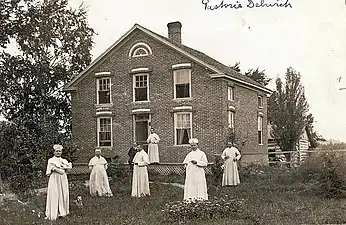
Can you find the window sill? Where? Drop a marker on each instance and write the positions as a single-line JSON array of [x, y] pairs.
[[260, 107], [137, 56], [231, 100], [260, 144], [184, 145], [140, 102], [182, 99], [104, 105]]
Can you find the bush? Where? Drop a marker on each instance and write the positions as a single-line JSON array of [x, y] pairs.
[[325, 174], [181, 211], [118, 172], [217, 170], [24, 153]]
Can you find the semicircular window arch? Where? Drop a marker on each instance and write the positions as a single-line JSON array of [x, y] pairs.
[[140, 49]]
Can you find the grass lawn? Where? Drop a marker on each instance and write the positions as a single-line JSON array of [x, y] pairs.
[[268, 199]]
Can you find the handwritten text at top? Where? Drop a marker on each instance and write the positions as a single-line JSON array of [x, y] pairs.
[[248, 4]]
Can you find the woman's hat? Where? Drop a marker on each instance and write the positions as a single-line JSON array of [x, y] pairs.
[[193, 141], [57, 147]]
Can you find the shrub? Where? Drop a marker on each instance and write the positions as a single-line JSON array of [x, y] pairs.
[[24, 153], [119, 172], [181, 211], [325, 174], [217, 170]]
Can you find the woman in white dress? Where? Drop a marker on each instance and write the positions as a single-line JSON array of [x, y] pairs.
[[140, 179], [195, 182], [98, 183], [153, 147], [57, 204], [230, 174]]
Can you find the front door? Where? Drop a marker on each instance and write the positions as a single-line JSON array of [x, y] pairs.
[[141, 129]]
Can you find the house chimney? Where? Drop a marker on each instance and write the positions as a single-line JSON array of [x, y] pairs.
[[174, 31]]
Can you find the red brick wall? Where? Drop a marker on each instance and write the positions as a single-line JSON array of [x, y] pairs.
[[209, 104]]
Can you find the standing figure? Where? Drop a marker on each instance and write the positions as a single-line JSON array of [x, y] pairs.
[[195, 182], [140, 179], [132, 152], [230, 174], [57, 204], [153, 148], [98, 183]]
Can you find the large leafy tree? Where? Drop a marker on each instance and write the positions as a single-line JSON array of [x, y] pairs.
[[287, 110], [235, 67], [258, 76], [312, 135], [53, 43], [254, 74]]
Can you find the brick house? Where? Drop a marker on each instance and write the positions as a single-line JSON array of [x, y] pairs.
[[147, 80]]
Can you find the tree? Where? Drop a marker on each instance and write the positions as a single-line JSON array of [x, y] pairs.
[[287, 110], [258, 76], [54, 43], [312, 135], [236, 67], [254, 74]]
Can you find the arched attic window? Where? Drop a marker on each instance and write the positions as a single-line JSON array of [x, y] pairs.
[[140, 49]]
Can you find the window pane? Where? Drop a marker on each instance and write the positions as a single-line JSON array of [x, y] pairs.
[[105, 134], [182, 91], [230, 93], [104, 97], [231, 119], [183, 136], [104, 84], [183, 128], [141, 81], [260, 121], [183, 120], [141, 94], [260, 104], [182, 76], [259, 137]]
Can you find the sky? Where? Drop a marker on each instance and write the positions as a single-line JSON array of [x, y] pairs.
[[310, 37]]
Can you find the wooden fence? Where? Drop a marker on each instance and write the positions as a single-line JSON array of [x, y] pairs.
[[162, 168], [178, 168]]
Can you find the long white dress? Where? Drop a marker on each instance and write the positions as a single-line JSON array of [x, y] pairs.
[[195, 182], [98, 183], [57, 192], [140, 179], [153, 148], [230, 173]]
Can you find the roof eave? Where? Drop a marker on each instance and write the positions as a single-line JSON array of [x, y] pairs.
[[179, 49], [76, 78], [223, 75], [69, 89]]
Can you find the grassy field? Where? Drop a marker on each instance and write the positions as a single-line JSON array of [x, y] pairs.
[[269, 198]]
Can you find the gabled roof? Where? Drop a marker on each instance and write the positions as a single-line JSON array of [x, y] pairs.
[[197, 56]]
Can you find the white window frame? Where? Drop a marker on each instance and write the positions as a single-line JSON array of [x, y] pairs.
[[134, 54], [98, 131], [261, 101], [134, 86], [231, 116], [175, 126], [174, 83], [260, 128], [98, 89], [137, 46], [230, 93]]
